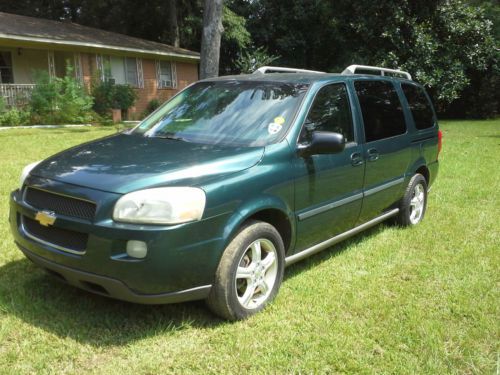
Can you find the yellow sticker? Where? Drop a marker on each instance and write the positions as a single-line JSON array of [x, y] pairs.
[[279, 120]]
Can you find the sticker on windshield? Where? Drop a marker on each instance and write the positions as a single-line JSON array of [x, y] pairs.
[[273, 128], [279, 120]]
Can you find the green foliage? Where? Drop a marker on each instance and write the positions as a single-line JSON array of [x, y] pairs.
[[248, 62], [108, 96], [14, 117], [60, 100], [124, 97], [151, 107], [2, 104]]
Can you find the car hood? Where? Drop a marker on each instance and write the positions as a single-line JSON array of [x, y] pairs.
[[123, 163]]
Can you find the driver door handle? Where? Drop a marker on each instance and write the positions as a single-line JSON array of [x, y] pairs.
[[372, 154]]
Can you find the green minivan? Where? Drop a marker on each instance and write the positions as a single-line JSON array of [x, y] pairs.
[[227, 183]]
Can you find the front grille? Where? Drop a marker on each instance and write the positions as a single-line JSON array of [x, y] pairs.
[[60, 204], [64, 238]]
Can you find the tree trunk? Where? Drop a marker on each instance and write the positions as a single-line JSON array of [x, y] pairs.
[[174, 26], [210, 40]]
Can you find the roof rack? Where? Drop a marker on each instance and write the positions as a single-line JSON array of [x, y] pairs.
[[382, 71], [279, 69]]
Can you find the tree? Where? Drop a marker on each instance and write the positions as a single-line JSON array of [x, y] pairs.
[[211, 36]]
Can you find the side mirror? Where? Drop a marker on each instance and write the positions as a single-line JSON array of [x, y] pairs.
[[323, 143]]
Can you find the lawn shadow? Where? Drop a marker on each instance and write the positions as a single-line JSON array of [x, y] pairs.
[[30, 294]]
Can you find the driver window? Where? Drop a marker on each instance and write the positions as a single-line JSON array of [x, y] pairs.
[[330, 112]]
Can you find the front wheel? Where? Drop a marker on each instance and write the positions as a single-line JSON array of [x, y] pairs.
[[414, 202], [249, 273]]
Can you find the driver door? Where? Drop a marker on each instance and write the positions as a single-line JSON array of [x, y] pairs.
[[328, 187]]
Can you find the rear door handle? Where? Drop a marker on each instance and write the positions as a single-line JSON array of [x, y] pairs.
[[356, 159], [372, 154]]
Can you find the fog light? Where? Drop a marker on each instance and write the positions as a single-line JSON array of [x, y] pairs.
[[137, 249]]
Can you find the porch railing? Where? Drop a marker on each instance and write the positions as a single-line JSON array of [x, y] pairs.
[[16, 95]]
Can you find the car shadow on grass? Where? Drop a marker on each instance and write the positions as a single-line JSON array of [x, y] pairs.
[[39, 299]]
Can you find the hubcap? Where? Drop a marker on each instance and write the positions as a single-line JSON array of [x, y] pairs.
[[256, 274], [417, 204]]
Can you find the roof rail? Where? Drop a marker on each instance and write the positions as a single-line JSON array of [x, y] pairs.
[[352, 70], [279, 69]]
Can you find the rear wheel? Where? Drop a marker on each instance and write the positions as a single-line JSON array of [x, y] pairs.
[[250, 272], [414, 202]]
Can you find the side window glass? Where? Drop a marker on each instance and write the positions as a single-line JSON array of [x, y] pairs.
[[382, 112], [330, 112], [420, 106]]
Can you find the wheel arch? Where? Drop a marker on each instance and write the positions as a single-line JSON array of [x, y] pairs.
[[420, 166], [269, 209]]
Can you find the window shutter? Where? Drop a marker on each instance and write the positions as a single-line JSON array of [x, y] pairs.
[[52, 65], [78, 67], [100, 66], [140, 74], [174, 74]]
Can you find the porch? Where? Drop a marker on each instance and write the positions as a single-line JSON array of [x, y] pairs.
[[16, 95]]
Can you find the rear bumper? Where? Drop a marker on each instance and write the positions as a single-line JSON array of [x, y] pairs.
[[113, 288]]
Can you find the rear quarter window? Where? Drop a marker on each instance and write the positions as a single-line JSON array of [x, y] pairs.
[[381, 109], [420, 106]]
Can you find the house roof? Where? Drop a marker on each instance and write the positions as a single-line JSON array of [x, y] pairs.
[[39, 30]]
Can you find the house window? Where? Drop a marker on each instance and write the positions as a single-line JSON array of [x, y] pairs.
[[120, 70], [165, 74], [6, 75]]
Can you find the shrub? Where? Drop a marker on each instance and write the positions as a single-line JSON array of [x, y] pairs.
[[108, 96], [60, 100], [2, 104], [14, 117], [151, 107]]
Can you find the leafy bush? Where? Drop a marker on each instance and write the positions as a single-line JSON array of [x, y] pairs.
[[2, 104], [108, 96], [60, 100], [151, 107], [14, 117]]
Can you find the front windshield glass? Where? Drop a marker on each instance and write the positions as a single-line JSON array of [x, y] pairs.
[[235, 113]]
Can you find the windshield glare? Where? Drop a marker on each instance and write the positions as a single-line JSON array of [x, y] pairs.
[[236, 113]]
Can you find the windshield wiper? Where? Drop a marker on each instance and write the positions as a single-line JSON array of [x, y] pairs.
[[170, 136]]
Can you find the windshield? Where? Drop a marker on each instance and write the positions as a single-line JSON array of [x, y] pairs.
[[236, 113]]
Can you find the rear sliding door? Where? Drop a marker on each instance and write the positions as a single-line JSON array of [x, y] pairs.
[[386, 149]]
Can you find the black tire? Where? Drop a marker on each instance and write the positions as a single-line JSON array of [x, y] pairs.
[[408, 212], [230, 288]]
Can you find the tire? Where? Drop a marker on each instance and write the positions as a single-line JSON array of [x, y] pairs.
[[414, 203], [245, 283]]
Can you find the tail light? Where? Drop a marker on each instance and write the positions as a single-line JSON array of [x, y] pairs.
[[440, 142]]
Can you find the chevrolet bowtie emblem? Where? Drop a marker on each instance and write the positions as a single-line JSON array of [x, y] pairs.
[[45, 218]]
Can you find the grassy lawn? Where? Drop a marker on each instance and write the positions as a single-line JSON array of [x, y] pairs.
[[424, 300]]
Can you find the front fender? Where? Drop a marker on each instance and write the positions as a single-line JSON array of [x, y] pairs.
[[252, 207]]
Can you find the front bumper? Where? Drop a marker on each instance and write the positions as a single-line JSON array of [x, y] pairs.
[[110, 287], [180, 265]]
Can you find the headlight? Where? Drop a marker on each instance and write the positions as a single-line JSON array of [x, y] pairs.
[[168, 205], [26, 171]]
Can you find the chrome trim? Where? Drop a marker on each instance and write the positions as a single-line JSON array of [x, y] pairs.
[[329, 206], [383, 187], [351, 232], [46, 243]]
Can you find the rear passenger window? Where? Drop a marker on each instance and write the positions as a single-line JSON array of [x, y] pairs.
[[420, 106], [330, 112], [382, 112]]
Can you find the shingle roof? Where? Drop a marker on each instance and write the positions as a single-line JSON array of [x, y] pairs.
[[13, 26]]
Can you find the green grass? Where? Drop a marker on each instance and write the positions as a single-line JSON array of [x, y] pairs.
[[424, 300]]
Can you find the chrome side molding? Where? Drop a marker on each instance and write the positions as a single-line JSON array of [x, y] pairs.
[[338, 238]]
